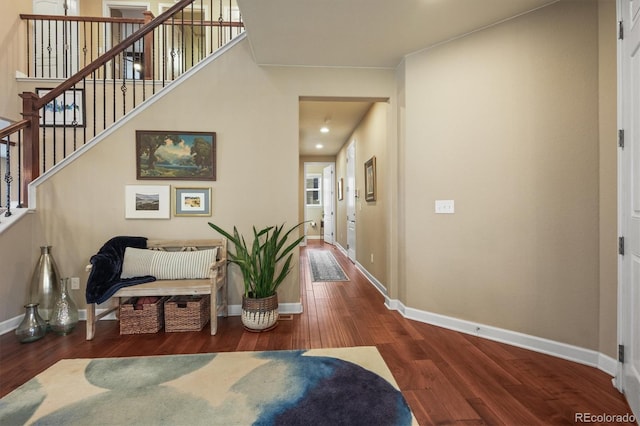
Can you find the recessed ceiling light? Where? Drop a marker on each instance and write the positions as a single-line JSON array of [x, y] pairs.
[[324, 129], [319, 146]]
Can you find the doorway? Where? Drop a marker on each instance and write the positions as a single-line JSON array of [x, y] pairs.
[[319, 204]]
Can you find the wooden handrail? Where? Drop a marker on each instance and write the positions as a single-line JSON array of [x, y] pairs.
[[81, 19], [15, 127], [111, 54]]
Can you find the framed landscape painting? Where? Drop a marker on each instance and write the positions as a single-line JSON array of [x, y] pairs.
[[175, 155], [147, 202]]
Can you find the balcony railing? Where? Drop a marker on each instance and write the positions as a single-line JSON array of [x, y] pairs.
[[139, 59]]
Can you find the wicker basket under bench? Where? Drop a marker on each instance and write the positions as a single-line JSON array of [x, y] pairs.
[[215, 285]]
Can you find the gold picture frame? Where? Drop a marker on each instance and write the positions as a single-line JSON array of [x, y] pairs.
[[370, 179]]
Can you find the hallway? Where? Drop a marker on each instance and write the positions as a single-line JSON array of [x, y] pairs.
[[447, 377]]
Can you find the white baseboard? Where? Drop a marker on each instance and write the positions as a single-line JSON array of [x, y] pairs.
[[577, 354], [377, 284], [234, 310], [537, 344]]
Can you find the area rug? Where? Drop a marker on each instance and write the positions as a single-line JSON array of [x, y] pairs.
[[346, 386], [325, 267]]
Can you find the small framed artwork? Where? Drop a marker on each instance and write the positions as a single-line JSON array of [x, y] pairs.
[[67, 110], [370, 179], [340, 189], [192, 202], [147, 202], [163, 155]]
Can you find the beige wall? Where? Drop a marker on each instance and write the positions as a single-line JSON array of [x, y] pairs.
[[19, 256], [608, 178], [372, 218], [12, 42], [254, 112], [505, 122]]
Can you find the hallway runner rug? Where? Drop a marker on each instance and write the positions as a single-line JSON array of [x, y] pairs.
[[325, 267], [343, 386]]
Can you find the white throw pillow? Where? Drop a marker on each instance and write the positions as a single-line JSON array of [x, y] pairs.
[[167, 265]]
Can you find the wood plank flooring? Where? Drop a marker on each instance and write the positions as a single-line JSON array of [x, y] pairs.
[[446, 377]]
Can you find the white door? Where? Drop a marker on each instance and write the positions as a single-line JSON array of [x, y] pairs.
[[350, 194], [54, 60], [328, 183], [629, 201]]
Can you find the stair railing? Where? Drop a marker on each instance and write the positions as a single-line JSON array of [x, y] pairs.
[[57, 121]]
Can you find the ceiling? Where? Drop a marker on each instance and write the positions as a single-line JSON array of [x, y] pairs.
[[359, 33]]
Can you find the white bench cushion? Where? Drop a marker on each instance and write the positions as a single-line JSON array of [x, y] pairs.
[[167, 265]]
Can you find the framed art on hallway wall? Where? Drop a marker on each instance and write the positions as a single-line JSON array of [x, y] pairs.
[[370, 179]]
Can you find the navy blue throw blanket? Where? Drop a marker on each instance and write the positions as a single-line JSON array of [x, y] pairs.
[[104, 279]]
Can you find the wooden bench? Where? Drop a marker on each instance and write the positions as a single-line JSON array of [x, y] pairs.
[[215, 285]]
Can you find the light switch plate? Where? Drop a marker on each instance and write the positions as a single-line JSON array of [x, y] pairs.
[[445, 207]]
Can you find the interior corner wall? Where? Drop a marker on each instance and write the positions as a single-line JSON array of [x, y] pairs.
[[607, 75], [372, 217], [12, 42], [254, 112], [19, 257], [505, 122]]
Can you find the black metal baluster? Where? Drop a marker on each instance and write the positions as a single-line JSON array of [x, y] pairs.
[[49, 48], [104, 96], [173, 50], [94, 103], [220, 27], [19, 169], [83, 117], [7, 176], [28, 47], [44, 139], [64, 126], [164, 53], [192, 35], [57, 53], [113, 77], [133, 67]]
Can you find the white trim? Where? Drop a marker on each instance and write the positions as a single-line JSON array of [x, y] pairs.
[[377, 284], [129, 116], [537, 344], [233, 311], [16, 215]]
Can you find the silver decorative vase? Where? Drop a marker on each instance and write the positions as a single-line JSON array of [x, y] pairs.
[[64, 315], [44, 283], [32, 326]]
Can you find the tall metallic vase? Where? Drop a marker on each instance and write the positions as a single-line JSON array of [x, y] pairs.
[[44, 283]]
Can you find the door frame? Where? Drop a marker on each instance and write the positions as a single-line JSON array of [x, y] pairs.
[[626, 309], [303, 199], [329, 230], [351, 193]]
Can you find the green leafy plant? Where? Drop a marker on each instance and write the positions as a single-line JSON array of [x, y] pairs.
[[259, 262]]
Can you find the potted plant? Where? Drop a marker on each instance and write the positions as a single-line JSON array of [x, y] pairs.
[[261, 271]]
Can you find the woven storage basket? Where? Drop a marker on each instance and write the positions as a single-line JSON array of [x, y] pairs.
[[186, 313], [149, 319]]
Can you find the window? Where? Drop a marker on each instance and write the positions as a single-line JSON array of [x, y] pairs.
[[313, 190]]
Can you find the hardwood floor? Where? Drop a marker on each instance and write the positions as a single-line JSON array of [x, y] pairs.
[[447, 377]]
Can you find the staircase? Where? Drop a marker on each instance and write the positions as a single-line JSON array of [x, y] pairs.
[[146, 57]]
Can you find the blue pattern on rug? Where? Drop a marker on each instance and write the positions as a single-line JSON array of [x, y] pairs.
[[277, 388]]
